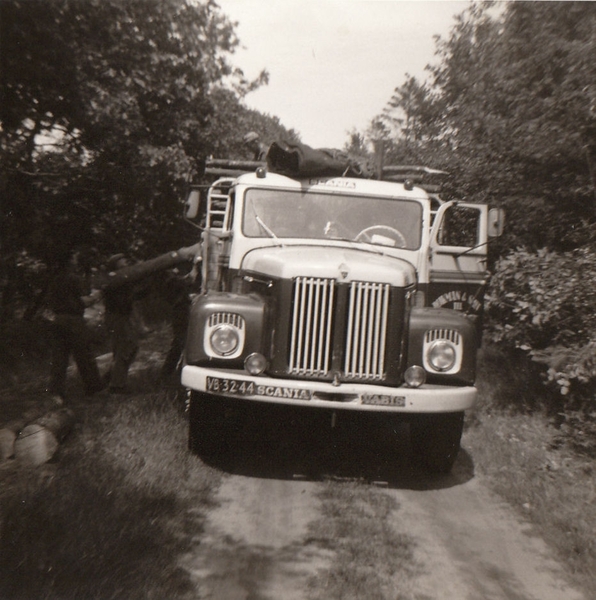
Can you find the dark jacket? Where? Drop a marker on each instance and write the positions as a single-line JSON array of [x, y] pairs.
[[65, 294]]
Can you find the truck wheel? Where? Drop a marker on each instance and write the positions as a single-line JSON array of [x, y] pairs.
[[205, 425], [436, 440]]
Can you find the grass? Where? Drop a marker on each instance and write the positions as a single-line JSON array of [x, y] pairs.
[[527, 461], [110, 517], [355, 526]]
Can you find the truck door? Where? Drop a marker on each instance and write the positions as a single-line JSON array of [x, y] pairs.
[[457, 275]]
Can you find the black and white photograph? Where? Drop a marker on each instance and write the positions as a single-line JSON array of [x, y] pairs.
[[297, 300]]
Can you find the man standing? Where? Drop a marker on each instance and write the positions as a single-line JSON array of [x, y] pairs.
[[120, 293], [258, 149], [175, 289], [67, 298]]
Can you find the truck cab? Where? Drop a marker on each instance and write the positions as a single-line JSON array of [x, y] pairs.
[[338, 294]]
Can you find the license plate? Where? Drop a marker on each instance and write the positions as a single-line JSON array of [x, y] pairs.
[[242, 387], [383, 400]]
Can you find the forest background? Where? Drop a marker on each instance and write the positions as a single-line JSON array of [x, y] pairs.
[[109, 108]]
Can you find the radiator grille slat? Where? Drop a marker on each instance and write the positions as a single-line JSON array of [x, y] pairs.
[[312, 320], [310, 342], [366, 330]]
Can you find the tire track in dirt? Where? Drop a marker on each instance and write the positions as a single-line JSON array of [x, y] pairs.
[[469, 544], [472, 546], [255, 542]]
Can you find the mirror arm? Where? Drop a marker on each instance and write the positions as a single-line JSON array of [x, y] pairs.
[[472, 248], [195, 225]]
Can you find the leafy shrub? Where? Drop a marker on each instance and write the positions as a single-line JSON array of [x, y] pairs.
[[507, 380], [544, 303], [579, 431]]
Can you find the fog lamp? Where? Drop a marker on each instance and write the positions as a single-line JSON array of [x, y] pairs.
[[224, 339], [255, 363], [441, 355], [415, 376]]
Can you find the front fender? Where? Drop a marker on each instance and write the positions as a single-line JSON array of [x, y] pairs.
[[250, 307], [441, 319]]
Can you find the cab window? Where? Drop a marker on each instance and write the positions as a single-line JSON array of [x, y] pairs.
[[460, 227]]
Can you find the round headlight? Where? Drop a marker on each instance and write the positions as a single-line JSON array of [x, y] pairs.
[[224, 339], [441, 355]]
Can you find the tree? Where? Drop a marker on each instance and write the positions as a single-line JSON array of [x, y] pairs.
[[107, 109], [412, 125], [510, 112]]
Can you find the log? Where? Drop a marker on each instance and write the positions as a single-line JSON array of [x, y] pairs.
[[224, 172], [38, 441], [10, 431], [8, 435], [242, 165], [7, 440]]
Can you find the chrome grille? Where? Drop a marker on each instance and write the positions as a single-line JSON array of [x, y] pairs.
[[366, 333], [310, 342], [312, 322]]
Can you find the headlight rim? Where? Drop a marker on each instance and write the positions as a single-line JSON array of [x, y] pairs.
[[218, 329], [252, 359], [431, 357]]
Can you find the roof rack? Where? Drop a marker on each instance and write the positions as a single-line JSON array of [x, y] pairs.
[[224, 167], [428, 179]]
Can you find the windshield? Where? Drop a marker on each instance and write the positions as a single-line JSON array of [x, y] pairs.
[[298, 214]]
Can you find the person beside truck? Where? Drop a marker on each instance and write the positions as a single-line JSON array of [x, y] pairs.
[[125, 285], [66, 300]]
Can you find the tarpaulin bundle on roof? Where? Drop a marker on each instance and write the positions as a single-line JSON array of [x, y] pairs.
[[297, 160]]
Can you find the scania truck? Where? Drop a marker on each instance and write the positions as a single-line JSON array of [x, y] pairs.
[[336, 293]]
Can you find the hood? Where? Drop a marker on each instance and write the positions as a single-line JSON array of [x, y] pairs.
[[325, 262]]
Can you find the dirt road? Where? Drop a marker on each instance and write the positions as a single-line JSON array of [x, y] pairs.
[[468, 544]]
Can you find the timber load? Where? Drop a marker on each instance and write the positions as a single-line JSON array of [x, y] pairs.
[[300, 161]]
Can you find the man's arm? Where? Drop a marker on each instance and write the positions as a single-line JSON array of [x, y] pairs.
[[141, 270], [92, 298]]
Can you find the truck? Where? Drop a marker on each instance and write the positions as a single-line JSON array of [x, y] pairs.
[[337, 294]]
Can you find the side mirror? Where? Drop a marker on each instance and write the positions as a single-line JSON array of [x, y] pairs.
[[496, 222], [193, 202]]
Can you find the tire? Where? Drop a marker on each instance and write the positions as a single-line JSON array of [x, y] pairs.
[[436, 440], [206, 421]]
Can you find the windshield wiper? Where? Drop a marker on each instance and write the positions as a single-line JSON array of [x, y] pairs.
[[265, 227]]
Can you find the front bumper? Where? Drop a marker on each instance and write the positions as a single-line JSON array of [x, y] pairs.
[[234, 383]]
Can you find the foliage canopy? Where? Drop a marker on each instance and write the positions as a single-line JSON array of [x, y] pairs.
[[107, 109], [510, 111]]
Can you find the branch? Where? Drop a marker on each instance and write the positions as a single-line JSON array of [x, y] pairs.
[[38, 174]]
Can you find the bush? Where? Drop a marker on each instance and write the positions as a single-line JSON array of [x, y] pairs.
[[544, 304]]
